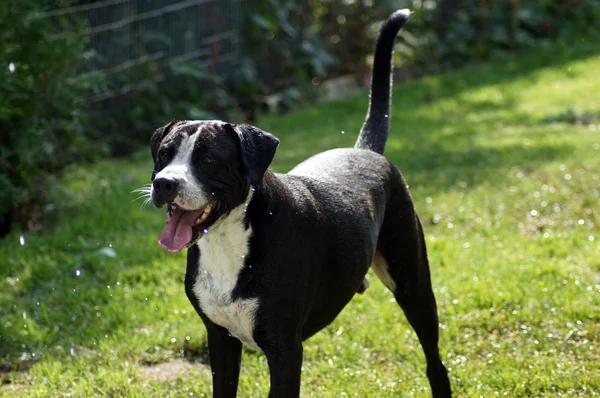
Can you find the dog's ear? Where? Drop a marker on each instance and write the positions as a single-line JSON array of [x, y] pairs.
[[155, 141], [258, 148]]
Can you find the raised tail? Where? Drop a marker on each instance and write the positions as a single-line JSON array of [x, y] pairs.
[[374, 132]]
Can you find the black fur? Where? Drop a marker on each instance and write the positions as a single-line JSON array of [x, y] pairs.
[[315, 232], [374, 132], [258, 150]]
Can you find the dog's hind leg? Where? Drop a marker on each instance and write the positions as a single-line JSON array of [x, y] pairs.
[[401, 263]]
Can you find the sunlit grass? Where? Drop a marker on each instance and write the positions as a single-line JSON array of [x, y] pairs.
[[510, 204]]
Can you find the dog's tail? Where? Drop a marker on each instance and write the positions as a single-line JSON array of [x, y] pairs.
[[374, 132]]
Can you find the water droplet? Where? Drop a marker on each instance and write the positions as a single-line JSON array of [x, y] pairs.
[[343, 132], [108, 252], [77, 272], [386, 116], [205, 230], [22, 240]]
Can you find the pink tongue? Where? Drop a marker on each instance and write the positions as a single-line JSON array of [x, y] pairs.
[[178, 231]]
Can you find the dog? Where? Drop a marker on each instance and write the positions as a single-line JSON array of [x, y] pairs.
[[273, 258]]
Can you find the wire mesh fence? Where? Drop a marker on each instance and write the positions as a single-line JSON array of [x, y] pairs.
[[129, 38]]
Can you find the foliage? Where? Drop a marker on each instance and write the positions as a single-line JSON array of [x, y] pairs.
[[349, 29], [507, 191], [182, 90], [285, 52], [444, 34], [41, 120], [293, 45]]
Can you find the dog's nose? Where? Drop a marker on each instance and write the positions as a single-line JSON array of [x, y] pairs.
[[165, 189]]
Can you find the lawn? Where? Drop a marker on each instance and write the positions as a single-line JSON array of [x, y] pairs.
[[503, 160]]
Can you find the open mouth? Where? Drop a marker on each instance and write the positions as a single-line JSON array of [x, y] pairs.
[[184, 227]]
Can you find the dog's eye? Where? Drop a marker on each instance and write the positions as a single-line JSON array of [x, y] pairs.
[[163, 156], [208, 160]]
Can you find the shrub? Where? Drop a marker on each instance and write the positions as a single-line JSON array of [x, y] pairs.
[[444, 34], [41, 120], [184, 91], [283, 51]]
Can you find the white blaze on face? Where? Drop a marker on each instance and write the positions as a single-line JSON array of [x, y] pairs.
[[191, 195]]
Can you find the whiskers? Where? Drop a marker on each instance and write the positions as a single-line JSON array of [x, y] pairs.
[[144, 193]]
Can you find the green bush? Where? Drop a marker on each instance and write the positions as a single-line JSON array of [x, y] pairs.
[[445, 34], [283, 52], [41, 121], [290, 45], [184, 91]]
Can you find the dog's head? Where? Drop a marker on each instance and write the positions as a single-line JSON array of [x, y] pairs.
[[203, 170]]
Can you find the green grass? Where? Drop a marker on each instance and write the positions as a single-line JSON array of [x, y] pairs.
[[509, 193]]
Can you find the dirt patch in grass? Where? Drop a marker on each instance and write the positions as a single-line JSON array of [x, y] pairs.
[[7, 376], [171, 370]]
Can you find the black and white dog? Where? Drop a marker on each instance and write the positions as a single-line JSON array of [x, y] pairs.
[[273, 258]]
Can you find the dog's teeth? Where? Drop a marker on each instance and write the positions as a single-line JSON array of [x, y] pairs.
[[203, 217]]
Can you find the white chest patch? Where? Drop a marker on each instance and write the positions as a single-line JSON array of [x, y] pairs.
[[222, 253]]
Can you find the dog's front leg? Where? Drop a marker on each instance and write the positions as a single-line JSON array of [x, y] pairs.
[[225, 353], [285, 365]]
